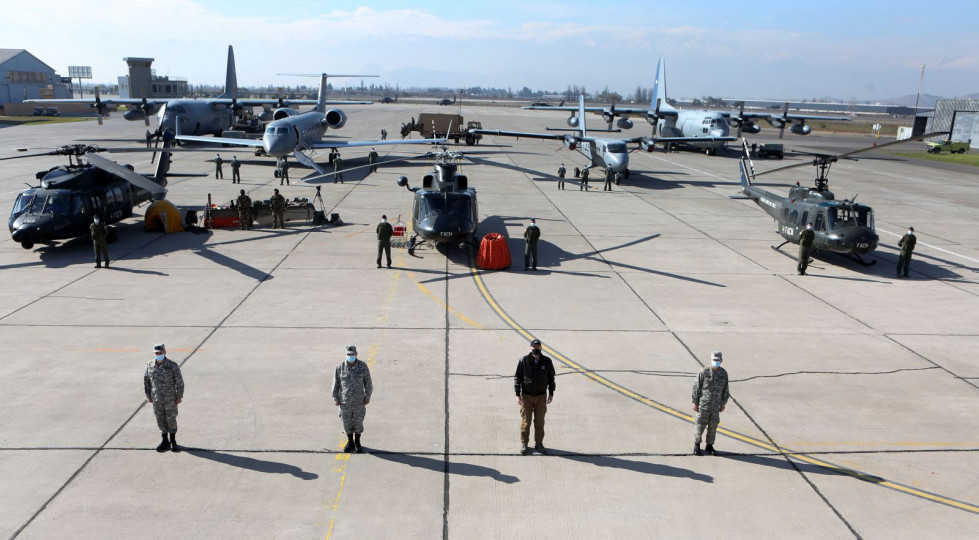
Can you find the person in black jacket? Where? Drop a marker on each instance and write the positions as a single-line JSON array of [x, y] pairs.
[[534, 385]]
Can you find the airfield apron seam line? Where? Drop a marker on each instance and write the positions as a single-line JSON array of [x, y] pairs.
[[823, 301], [788, 453], [446, 465], [930, 361]]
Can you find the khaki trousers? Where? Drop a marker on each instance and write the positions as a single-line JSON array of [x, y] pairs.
[[534, 408]]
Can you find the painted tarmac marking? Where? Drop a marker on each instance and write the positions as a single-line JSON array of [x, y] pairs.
[[439, 301], [934, 247], [909, 490], [340, 463]]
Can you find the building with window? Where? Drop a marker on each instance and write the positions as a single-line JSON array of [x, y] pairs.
[[142, 81], [23, 76]]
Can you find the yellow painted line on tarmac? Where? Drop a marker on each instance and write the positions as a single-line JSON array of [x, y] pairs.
[[882, 443], [340, 462], [488, 297], [439, 301]]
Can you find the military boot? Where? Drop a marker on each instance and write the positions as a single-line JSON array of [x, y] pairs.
[[350, 443], [360, 449], [174, 447], [164, 444], [523, 449], [710, 450], [696, 450]]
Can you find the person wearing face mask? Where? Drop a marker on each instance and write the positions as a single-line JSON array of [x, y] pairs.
[[352, 389], [534, 385], [164, 388], [384, 233], [906, 243], [710, 395], [100, 235], [806, 236]]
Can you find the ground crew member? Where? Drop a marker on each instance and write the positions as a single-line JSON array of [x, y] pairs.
[[531, 235], [384, 233], [244, 210], [584, 180], [337, 169], [710, 395], [384, 134], [149, 138], [218, 173], [100, 233], [235, 170], [352, 389], [561, 171], [284, 171], [372, 160], [609, 178], [806, 237], [534, 377], [164, 388], [278, 203], [906, 243]]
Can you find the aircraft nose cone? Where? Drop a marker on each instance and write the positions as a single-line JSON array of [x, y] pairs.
[[278, 145], [21, 234], [617, 162], [719, 132]]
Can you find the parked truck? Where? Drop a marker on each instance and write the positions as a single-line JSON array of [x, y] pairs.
[[954, 147], [450, 126]]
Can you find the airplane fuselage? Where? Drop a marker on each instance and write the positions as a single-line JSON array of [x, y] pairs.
[[606, 153], [283, 136], [196, 117], [694, 123]]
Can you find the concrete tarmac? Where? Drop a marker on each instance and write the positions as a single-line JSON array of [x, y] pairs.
[[853, 393]]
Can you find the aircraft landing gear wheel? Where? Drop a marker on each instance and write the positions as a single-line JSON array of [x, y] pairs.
[[625, 174], [27, 244]]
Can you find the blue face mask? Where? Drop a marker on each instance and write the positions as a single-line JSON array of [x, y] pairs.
[[160, 357], [351, 359], [715, 364]]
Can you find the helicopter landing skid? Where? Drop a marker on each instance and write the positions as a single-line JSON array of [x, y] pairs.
[[778, 248], [859, 259]]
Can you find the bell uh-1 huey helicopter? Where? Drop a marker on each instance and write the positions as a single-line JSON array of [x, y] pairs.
[[845, 227], [70, 196], [444, 212]]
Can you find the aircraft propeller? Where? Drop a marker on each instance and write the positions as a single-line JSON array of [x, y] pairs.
[[785, 120], [740, 119], [100, 107]]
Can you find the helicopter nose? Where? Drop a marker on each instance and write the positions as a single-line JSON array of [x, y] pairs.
[[22, 234]]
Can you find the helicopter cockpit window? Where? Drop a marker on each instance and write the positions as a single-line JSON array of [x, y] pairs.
[[842, 217], [23, 202], [865, 217], [78, 205], [57, 204], [617, 148]]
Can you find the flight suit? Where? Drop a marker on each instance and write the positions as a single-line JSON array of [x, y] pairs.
[[530, 236], [218, 172], [710, 393], [337, 168], [584, 180], [906, 243], [560, 176], [235, 171], [278, 203], [806, 236], [244, 211], [100, 233], [284, 172], [351, 387], [384, 233], [164, 384], [372, 160], [609, 178]]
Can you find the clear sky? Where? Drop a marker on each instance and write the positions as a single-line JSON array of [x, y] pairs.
[[734, 49]]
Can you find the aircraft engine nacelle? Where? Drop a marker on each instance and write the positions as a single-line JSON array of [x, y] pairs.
[[803, 129], [335, 118], [572, 145], [751, 127], [776, 122], [573, 121], [134, 114], [624, 123], [279, 114], [648, 144]]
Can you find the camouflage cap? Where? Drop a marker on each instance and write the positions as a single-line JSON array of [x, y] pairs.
[[159, 347], [351, 349], [716, 355]]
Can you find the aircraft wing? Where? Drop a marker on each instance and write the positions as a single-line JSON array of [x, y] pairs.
[[625, 110], [126, 101], [519, 134], [683, 139], [285, 102], [354, 144], [257, 143], [765, 116]]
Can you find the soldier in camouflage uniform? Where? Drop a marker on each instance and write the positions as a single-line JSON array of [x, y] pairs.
[[710, 395], [244, 203], [164, 388], [278, 203], [100, 234], [561, 171], [352, 389]]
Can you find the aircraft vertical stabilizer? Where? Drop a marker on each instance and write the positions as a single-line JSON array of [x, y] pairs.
[[659, 88], [321, 98], [230, 78]]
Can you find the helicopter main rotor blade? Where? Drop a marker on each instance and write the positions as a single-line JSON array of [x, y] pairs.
[[824, 157], [137, 180]]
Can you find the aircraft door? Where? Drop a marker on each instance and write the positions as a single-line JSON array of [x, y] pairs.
[[805, 219], [820, 224]]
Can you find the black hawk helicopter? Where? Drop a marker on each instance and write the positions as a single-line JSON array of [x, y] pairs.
[[444, 211], [845, 227], [70, 196]]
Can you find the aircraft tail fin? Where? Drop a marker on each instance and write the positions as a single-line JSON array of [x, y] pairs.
[[659, 88], [321, 97], [581, 116], [230, 77]]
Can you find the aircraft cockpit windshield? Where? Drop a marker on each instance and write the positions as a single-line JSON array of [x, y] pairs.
[[176, 109], [270, 131], [455, 204], [617, 148], [24, 201], [850, 217]]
